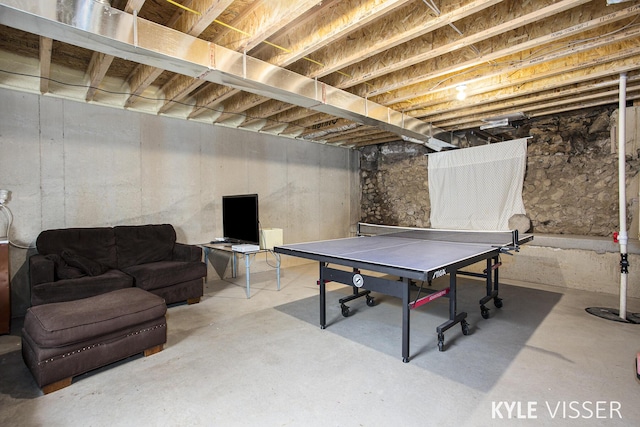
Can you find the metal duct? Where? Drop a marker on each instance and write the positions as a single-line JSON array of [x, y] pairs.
[[96, 26]]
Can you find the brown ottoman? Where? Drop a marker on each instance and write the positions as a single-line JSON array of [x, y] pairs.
[[65, 339]]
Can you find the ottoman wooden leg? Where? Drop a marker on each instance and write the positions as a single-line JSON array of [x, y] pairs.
[[193, 300], [153, 350], [50, 388]]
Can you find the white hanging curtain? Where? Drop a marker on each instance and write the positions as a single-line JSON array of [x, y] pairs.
[[477, 188]]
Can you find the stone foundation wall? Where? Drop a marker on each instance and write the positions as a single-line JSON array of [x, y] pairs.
[[571, 182]]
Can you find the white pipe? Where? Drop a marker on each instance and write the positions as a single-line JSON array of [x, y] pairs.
[[622, 236]]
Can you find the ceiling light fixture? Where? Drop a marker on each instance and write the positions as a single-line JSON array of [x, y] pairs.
[[461, 95]]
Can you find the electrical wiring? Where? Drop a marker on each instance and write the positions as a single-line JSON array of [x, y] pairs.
[[195, 12], [9, 216], [268, 251], [571, 44], [149, 98]]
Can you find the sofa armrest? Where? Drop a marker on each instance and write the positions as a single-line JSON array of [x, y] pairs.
[[41, 270], [183, 252]]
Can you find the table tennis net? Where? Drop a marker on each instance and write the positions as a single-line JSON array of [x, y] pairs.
[[498, 238]]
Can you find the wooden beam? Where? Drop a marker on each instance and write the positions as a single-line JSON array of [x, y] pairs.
[[289, 117], [402, 87], [239, 104], [307, 120], [134, 5], [360, 131], [524, 17], [100, 62], [177, 89], [46, 45], [373, 141], [526, 100], [362, 46], [301, 40], [139, 81], [563, 62], [442, 44], [98, 67], [313, 32], [262, 21], [267, 109], [310, 36], [190, 23], [195, 24], [593, 70], [211, 97], [545, 110], [551, 86], [265, 20], [330, 22]]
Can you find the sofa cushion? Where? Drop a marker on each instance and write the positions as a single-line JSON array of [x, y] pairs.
[[142, 244], [68, 272], [97, 244], [165, 273], [81, 287], [84, 264], [62, 270], [61, 324]]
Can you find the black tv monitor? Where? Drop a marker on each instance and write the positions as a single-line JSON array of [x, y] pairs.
[[240, 221]]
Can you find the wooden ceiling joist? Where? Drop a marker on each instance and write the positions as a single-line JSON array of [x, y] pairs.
[[507, 54], [596, 67], [403, 57], [189, 23], [46, 45], [300, 41], [445, 42]]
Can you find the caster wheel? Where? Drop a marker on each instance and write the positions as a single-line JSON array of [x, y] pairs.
[[371, 301], [497, 302], [484, 311], [440, 342], [345, 310], [465, 327]]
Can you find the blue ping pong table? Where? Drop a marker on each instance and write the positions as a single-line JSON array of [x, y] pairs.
[[405, 256]]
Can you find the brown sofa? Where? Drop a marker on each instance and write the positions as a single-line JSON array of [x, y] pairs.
[[76, 263]]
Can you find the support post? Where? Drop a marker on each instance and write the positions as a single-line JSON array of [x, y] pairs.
[[622, 193]]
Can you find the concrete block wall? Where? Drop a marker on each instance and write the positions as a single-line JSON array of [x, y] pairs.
[[572, 262], [69, 164]]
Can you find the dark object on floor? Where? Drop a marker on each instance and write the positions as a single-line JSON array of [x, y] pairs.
[[66, 339], [614, 314]]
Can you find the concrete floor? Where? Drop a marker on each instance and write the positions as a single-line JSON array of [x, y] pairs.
[[232, 361]]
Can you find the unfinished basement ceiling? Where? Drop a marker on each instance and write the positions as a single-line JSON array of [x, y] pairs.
[[343, 72]]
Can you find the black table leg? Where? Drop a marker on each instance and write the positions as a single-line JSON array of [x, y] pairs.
[[454, 316], [405, 319], [323, 298]]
